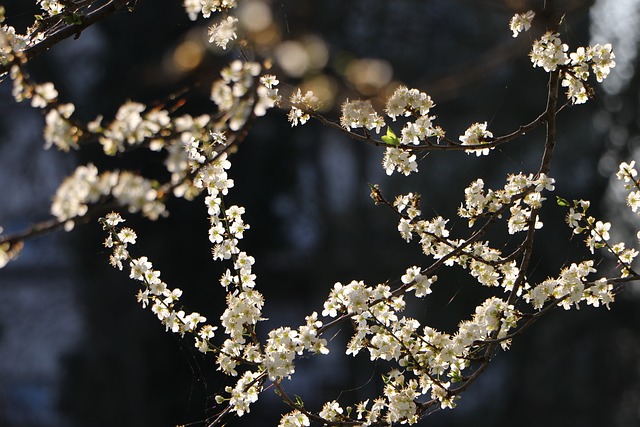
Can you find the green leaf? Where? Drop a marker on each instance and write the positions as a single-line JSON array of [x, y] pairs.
[[73, 19], [390, 138], [456, 377], [562, 202]]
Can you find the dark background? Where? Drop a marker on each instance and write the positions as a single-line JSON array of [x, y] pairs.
[[75, 347]]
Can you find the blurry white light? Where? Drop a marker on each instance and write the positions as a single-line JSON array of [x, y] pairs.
[[369, 75], [255, 15], [317, 51], [293, 58]]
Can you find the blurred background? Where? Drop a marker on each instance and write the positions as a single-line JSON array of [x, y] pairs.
[[77, 350]]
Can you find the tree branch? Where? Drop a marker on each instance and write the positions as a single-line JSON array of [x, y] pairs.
[[550, 113], [107, 9]]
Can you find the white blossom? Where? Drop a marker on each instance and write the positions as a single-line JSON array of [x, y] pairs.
[[223, 32], [549, 52], [521, 22]]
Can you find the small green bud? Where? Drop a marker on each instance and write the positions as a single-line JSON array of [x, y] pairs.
[[390, 138], [562, 202], [73, 19]]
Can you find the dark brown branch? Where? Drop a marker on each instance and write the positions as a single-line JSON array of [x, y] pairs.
[[550, 118], [34, 231], [107, 9], [449, 145], [550, 113], [48, 226]]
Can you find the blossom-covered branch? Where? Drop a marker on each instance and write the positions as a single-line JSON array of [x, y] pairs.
[[19, 49], [427, 369]]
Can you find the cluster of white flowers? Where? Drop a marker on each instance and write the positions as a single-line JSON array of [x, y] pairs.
[[211, 6], [294, 419], [331, 411], [597, 232], [206, 7], [401, 397], [426, 354], [521, 22], [300, 107], [576, 90], [52, 7], [400, 160], [43, 95], [601, 59], [58, 129], [549, 52], [408, 102], [244, 393], [195, 138], [223, 32], [522, 192], [244, 303], [360, 114], [86, 186], [193, 8], [489, 267], [627, 173], [12, 44], [76, 192], [130, 127], [284, 344], [485, 264], [191, 144], [571, 287], [234, 93], [268, 95], [477, 134], [155, 294], [418, 282], [191, 128], [433, 359]]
